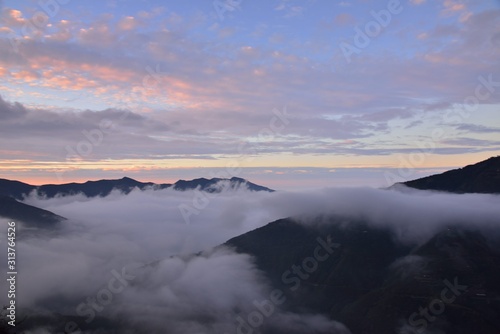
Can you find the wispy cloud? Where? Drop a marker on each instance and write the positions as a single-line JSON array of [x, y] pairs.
[[474, 128]]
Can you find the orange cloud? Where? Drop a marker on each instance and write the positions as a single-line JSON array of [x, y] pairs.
[[69, 83], [57, 73], [25, 75], [108, 74], [6, 30], [13, 18]]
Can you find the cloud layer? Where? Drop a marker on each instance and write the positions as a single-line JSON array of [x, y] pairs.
[[170, 288]]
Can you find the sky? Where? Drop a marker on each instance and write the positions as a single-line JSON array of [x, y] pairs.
[[289, 93]]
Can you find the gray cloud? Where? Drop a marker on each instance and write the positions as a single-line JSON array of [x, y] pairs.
[[145, 232], [474, 128], [11, 110], [464, 141]]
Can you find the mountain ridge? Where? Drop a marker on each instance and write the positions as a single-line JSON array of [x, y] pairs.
[[482, 177], [12, 209], [371, 275], [104, 187]]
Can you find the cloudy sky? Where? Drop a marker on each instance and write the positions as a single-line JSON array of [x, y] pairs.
[[290, 93]]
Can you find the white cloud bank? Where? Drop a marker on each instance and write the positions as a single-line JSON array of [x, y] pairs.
[[68, 270]]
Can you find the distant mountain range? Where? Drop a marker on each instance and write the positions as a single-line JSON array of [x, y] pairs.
[[483, 177], [12, 192], [102, 188]]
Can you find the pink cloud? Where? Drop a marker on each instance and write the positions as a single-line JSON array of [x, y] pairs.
[[13, 18], [25, 75], [5, 30], [128, 23], [453, 6]]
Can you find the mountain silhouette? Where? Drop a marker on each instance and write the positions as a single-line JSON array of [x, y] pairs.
[[12, 192], [210, 185], [372, 283], [16, 211], [483, 177], [102, 188]]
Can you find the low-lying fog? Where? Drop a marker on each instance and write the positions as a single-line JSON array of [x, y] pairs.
[[100, 254]]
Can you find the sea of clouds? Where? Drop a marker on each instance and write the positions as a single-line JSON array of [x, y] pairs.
[[136, 260]]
